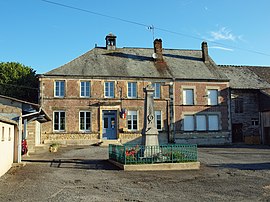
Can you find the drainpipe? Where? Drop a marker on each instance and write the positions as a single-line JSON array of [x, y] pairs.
[[167, 115], [19, 146], [230, 114], [170, 112], [25, 122], [172, 127], [261, 131]]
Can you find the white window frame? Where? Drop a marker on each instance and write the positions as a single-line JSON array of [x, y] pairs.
[[196, 126], [84, 121], [109, 90], [85, 91], [130, 116], [158, 113], [157, 92], [212, 100], [254, 121], [187, 100], [60, 86], [132, 89], [59, 121]]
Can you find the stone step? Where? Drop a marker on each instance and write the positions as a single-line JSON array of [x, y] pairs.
[[105, 143], [41, 148]]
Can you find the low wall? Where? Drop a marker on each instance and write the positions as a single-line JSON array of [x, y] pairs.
[[86, 139], [71, 139], [215, 138], [159, 166]]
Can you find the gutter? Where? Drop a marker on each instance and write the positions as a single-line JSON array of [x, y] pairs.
[[34, 113]]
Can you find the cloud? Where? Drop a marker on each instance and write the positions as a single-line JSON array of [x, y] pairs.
[[221, 48], [224, 34]]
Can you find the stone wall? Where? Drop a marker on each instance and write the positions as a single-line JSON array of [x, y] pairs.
[[204, 138], [251, 132]]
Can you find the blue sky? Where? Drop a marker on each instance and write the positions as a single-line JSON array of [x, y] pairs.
[[45, 36]]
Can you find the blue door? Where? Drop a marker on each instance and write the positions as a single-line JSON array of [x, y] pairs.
[[109, 125]]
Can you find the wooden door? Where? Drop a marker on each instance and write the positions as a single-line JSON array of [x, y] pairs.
[[267, 135], [237, 132]]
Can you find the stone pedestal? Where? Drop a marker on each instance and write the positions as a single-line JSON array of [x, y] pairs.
[[150, 132]]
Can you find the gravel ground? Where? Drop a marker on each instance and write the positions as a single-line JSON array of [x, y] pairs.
[[235, 173]]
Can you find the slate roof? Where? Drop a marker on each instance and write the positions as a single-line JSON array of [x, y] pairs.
[[7, 120], [246, 77], [27, 106], [138, 63], [263, 72]]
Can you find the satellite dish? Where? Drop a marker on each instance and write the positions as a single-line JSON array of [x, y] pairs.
[[154, 55]]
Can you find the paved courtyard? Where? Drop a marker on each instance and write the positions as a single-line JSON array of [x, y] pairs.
[[235, 173]]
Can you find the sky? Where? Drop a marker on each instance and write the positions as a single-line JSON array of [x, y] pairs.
[[47, 34]]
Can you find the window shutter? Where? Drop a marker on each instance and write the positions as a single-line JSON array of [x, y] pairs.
[[213, 122], [201, 122], [188, 123]]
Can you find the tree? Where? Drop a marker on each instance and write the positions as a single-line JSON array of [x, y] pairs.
[[18, 81]]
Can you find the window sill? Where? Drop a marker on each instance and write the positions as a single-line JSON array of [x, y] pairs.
[[59, 96], [200, 131], [132, 131]]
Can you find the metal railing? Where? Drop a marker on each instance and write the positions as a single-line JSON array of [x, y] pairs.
[[139, 154]]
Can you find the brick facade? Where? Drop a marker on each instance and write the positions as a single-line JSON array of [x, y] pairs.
[[181, 74], [72, 104]]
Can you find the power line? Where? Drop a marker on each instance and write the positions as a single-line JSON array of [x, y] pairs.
[[151, 27], [95, 13]]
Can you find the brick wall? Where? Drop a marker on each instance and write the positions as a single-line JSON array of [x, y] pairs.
[[72, 104]]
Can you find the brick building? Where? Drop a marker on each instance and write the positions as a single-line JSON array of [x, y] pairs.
[[99, 96], [250, 103]]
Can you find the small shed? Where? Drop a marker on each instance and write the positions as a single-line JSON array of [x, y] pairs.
[[8, 134]]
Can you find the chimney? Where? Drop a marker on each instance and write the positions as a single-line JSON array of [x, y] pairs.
[[158, 50], [205, 56], [110, 41]]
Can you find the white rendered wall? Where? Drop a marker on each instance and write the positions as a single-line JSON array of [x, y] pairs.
[[6, 147]]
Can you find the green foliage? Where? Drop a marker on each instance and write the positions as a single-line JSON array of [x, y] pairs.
[[18, 81]]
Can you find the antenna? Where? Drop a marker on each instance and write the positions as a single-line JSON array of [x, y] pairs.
[[152, 29]]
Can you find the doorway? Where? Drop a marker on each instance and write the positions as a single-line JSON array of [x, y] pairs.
[[237, 132], [109, 124], [267, 135]]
